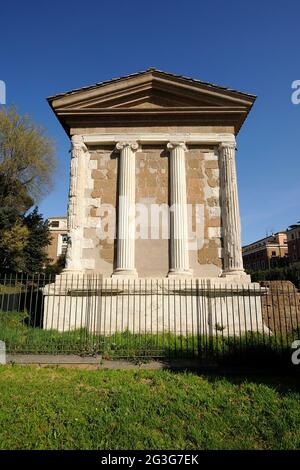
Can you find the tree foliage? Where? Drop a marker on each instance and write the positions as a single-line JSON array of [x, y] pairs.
[[57, 267], [285, 273], [26, 168], [38, 239], [13, 241], [23, 241], [26, 160]]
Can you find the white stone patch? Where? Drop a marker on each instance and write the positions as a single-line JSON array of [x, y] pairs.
[[102, 162], [214, 211], [89, 179], [88, 263], [211, 192], [215, 173], [210, 156], [93, 164], [87, 243], [93, 222], [214, 232], [94, 202]]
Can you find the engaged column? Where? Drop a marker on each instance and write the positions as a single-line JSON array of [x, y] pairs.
[[126, 211], [231, 224], [179, 254]]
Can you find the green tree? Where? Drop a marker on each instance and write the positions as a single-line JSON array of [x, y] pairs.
[[26, 160], [14, 195], [38, 239], [56, 268], [26, 168], [13, 242]]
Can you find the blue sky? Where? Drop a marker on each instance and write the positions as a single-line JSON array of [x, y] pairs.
[[50, 47]]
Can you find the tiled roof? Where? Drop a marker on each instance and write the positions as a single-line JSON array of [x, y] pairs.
[[151, 69]]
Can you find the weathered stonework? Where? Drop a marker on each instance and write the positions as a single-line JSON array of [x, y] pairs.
[[101, 190], [155, 140], [155, 306], [151, 188], [152, 176], [281, 306], [202, 164], [203, 184]]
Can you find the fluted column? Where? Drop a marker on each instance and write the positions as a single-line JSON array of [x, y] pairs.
[[232, 248], [179, 254], [126, 211], [76, 204]]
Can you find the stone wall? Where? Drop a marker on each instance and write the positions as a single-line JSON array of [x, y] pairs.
[[203, 187], [152, 187], [281, 306], [152, 255], [98, 251]]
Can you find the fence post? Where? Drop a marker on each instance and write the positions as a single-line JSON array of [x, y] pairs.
[[2, 352]]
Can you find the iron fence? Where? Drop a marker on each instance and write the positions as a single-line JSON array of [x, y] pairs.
[[148, 318]]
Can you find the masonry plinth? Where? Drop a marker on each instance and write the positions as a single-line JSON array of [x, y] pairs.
[[198, 306]]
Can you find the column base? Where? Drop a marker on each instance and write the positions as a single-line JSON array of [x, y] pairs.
[[180, 273], [236, 274], [125, 273], [69, 272]]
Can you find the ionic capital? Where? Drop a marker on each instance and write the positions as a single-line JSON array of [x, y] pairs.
[[227, 145], [78, 143], [132, 145], [174, 144]]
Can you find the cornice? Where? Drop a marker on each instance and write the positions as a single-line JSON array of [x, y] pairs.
[[160, 138]]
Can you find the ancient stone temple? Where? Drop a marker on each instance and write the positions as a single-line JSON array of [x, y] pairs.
[[153, 187]]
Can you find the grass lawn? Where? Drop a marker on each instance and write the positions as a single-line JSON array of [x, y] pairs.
[[56, 408]]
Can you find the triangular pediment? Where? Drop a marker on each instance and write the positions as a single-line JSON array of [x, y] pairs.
[[153, 89], [150, 97], [143, 92]]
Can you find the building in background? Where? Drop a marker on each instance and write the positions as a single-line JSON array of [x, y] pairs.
[[269, 252], [293, 242], [59, 238]]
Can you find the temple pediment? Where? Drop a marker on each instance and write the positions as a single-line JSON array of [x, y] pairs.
[[149, 96]]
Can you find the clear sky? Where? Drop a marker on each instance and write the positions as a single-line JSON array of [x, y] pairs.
[[252, 46]]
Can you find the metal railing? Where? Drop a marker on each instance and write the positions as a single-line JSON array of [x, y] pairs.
[[148, 318]]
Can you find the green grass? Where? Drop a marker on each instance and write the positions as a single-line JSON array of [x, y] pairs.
[[254, 348], [53, 408]]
